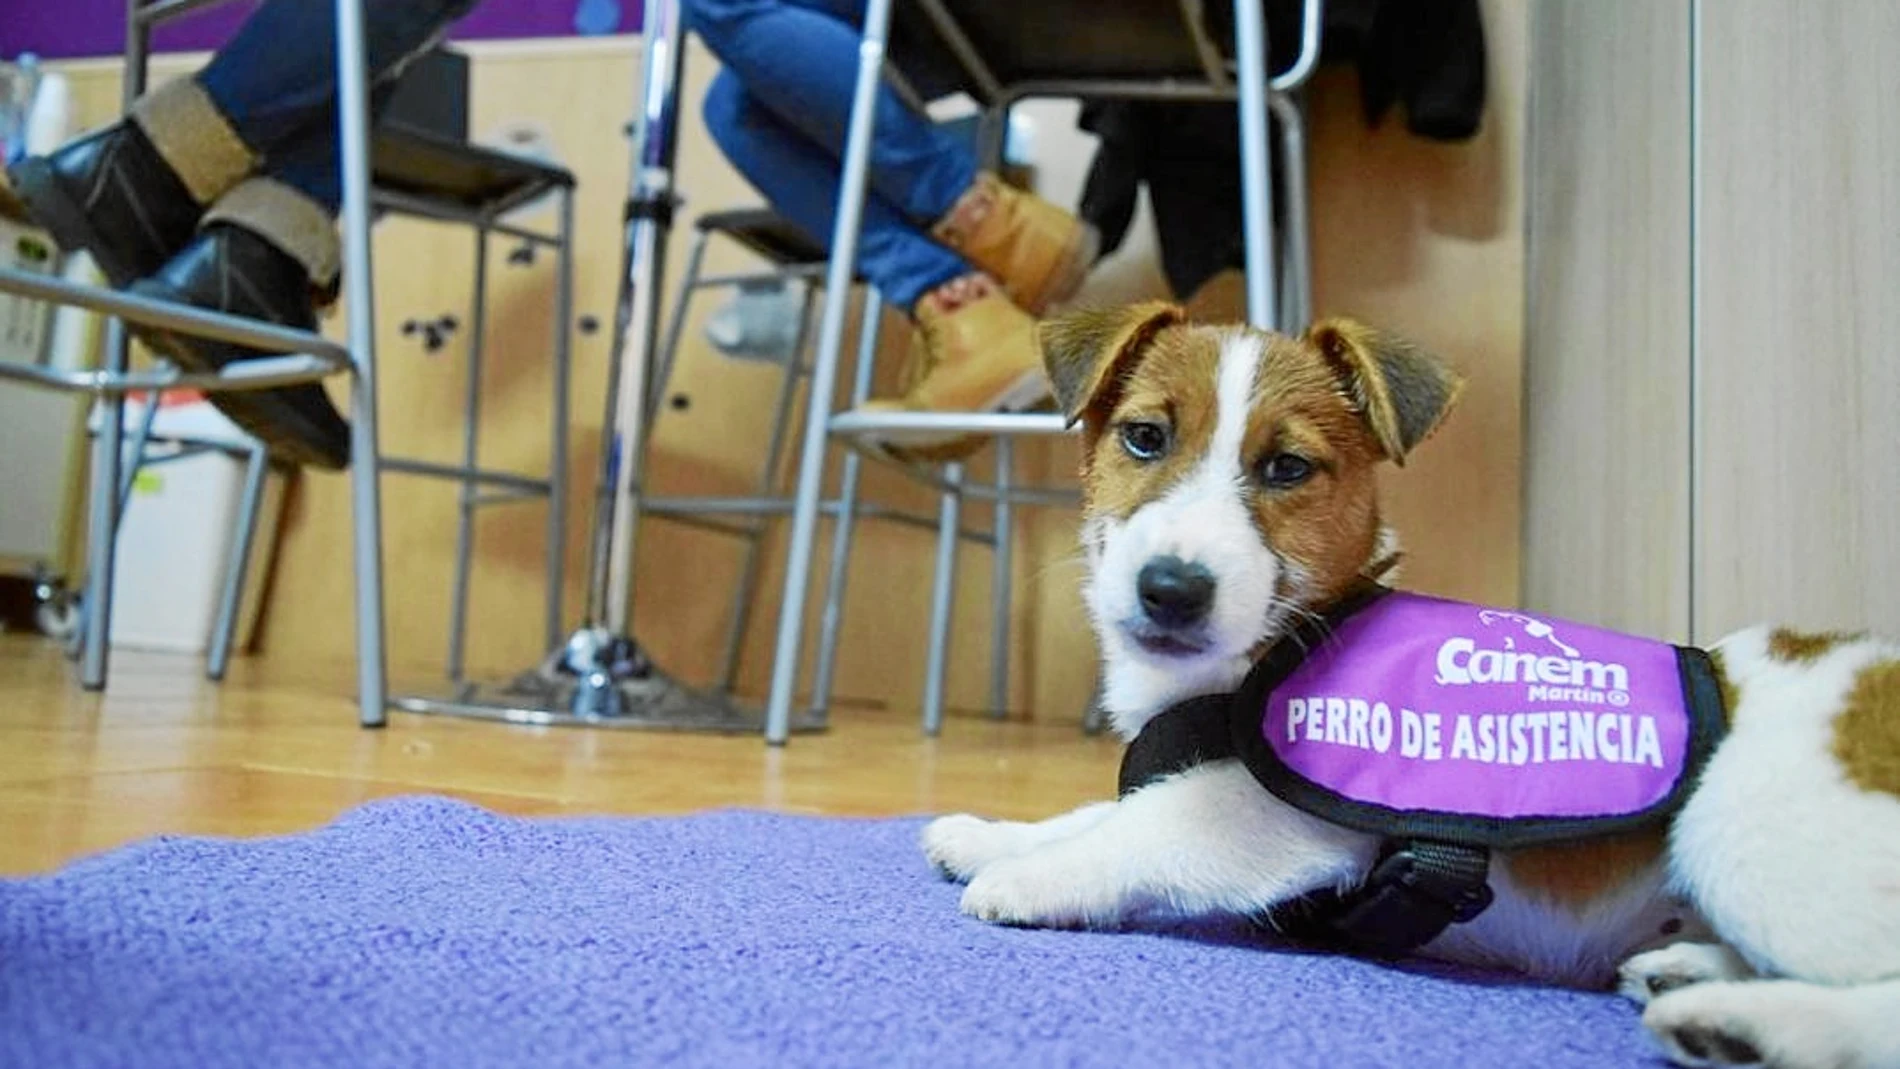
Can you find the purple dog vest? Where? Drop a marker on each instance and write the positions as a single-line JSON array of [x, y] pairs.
[[1452, 729]]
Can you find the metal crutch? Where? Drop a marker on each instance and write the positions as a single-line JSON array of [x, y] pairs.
[[600, 676]]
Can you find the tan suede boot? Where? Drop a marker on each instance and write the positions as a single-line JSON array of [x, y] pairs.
[[1039, 252], [980, 356]]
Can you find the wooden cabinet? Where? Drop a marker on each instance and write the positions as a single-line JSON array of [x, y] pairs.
[[1713, 314]]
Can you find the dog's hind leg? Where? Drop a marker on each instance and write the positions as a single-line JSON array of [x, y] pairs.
[[1786, 1024], [961, 845], [1206, 841], [1794, 862]]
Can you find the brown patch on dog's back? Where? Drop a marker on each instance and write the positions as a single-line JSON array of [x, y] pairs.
[[1867, 731], [1724, 685], [1574, 875], [1803, 647]]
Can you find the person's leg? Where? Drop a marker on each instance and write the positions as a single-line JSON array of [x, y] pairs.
[[133, 193], [310, 159], [267, 247], [800, 59], [976, 350], [801, 182], [276, 79]]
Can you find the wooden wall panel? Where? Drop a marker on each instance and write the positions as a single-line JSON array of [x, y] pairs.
[[1606, 436], [1798, 324], [1428, 240]]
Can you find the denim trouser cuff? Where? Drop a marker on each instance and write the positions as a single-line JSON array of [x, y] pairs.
[[194, 138]]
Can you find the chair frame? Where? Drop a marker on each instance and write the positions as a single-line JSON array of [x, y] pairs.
[[305, 358]]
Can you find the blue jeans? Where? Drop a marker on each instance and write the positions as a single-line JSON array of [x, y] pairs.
[[276, 80], [779, 111]]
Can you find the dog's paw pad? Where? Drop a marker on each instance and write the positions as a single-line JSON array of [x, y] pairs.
[[1713, 1046], [1657, 972], [1711, 1024]]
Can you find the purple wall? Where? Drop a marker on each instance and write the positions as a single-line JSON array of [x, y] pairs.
[[61, 28]]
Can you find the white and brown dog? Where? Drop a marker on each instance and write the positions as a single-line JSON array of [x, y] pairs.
[[1229, 477]]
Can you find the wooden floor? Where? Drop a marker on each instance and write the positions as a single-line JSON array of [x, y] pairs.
[[163, 751]]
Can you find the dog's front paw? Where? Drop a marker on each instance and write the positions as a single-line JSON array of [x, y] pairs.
[[1655, 973], [1025, 892], [960, 845]]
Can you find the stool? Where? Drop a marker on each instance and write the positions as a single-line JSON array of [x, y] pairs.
[[791, 256]]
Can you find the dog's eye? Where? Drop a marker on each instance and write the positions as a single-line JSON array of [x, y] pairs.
[[1283, 471], [1144, 441]]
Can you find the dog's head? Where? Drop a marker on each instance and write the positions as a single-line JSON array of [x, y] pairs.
[[1228, 480]]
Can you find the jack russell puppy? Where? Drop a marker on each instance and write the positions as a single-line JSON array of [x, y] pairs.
[[1717, 833]]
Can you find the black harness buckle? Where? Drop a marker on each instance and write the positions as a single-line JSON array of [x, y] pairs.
[[1416, 891]]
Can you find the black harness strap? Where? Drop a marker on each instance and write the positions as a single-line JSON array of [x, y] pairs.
[[1194, 732], [1417, 890]]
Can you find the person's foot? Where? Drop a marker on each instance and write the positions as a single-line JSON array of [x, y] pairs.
[[974, 352], [132, 194], [231, 269], [1039, 252], [112, 195]]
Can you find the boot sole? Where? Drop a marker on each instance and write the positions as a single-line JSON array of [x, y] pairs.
[[1025, 393], [290, 432], [45, 196]]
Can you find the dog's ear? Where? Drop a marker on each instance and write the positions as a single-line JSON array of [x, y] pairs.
[[1088, 352], [1402, 391]]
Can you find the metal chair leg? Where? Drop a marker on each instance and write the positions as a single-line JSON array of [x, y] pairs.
[[135, 448], [557, 445], [840, 565], [1298, 263], [471, 454], [127, 480], [741, 619], [102, 508], [365, 491], [238, 569], [943, 598], [128, 476], [811, 468], [669, 352], [1250, 33], [1002, 578], [102, 525]]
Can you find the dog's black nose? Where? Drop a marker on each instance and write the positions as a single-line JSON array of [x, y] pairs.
[[1173, 592]]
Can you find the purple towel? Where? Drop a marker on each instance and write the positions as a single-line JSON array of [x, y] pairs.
[[430, 932]]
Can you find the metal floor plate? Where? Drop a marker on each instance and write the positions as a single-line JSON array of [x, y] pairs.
[[652, 702]]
